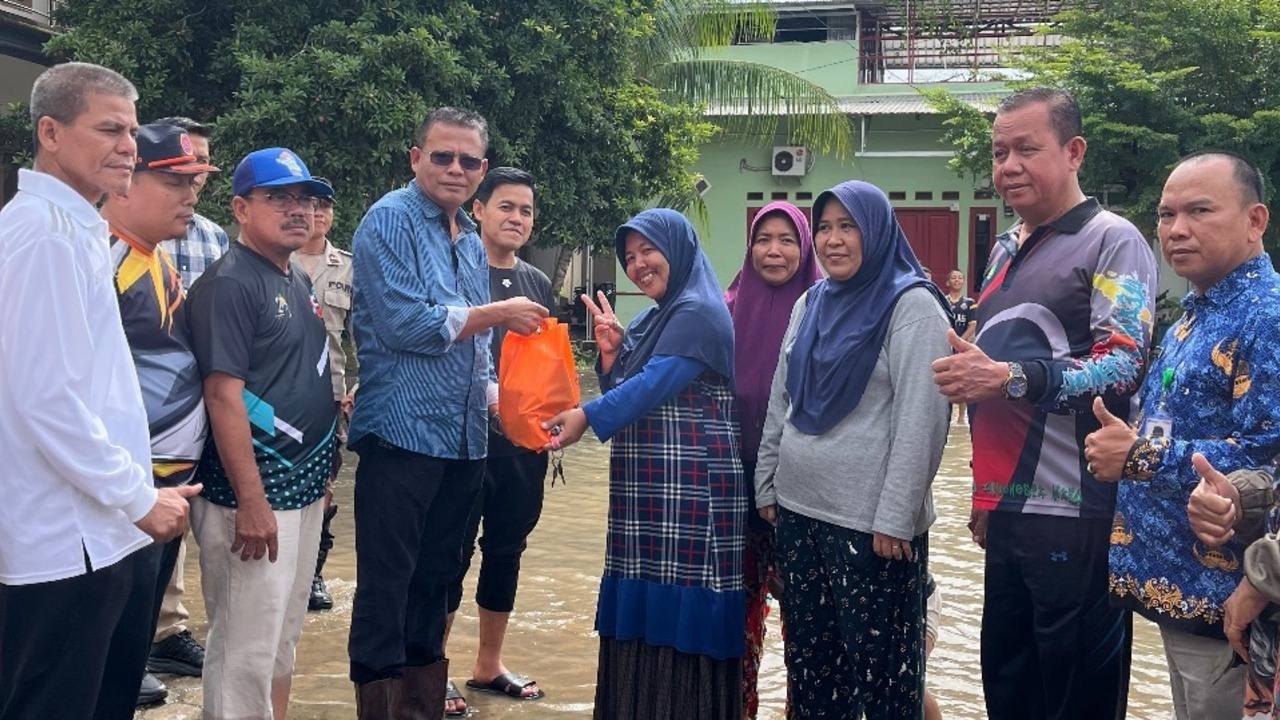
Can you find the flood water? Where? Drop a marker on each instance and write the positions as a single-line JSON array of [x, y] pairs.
[[550, 636]]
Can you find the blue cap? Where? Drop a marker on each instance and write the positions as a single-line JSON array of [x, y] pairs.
[[273, 167]]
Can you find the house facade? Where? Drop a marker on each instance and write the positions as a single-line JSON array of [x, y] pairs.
[[876, 56], [24, 27]]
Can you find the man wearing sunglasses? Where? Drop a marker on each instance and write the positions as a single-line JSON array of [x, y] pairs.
[[423, 319], [258, 334]]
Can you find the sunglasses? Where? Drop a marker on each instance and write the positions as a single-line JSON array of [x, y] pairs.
[[445, 158]]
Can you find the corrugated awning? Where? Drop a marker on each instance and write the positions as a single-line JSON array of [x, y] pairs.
[[896, 104]]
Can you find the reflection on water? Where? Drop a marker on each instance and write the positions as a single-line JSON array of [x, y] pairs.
[[551, 640]]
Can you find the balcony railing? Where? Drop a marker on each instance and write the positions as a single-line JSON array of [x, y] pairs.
[[35, 12]]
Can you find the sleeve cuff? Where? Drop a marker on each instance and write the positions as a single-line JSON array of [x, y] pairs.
[[491, 393], [455, 320], [1038, 382], [1145, 459], [600, 429], [766, 495], [142, 501]]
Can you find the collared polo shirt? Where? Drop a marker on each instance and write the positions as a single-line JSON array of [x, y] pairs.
[[1074, 304]]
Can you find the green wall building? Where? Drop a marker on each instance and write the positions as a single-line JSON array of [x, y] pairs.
[[874, 56]]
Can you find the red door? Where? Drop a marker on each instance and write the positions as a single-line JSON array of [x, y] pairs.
[[933, 234]]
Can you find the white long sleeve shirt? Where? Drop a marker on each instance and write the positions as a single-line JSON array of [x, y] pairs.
[[75, 455]]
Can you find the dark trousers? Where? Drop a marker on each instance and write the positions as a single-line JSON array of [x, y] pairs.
[[411, 514], [855, 622], [1052, 645], [509, 505], [165, 561], [77, 648]]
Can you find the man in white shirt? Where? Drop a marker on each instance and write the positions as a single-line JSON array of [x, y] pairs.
[[79, 502]]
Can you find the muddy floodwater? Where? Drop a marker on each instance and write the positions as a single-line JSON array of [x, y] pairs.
[[551, 639]]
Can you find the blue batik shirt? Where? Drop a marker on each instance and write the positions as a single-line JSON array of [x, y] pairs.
[[1223, 359], [421, 389]]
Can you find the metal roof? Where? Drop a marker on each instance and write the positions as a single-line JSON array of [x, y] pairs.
[[909, 104], [887, 104]]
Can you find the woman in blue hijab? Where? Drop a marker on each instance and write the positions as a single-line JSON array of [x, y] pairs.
[[671, 613], [852, 439]]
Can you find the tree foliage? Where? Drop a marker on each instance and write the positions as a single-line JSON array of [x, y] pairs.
[[672, 57], [346, 82], [1157, 79]]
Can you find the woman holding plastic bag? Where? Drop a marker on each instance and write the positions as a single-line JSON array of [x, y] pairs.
[[672, 606]]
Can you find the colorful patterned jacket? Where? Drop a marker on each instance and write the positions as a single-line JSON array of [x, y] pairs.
[[1074, 305]]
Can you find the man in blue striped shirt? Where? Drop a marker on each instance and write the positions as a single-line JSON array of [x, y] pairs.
[[422, 318]]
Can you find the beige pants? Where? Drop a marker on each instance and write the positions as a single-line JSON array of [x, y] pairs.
[[173, 614], [256, 607], [1199, 691]]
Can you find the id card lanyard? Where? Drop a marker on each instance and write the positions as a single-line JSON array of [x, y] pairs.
[[1159, 425]]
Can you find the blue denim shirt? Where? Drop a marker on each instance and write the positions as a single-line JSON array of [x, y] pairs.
[[420, 388], [1224, 356]]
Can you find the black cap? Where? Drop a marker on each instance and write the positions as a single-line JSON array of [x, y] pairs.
[[167, 148], [327, 193]]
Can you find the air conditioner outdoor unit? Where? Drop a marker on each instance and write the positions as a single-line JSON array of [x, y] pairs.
[[791, 161]]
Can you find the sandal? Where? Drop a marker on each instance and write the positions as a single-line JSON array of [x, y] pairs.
[[509, 684], [451, 693]]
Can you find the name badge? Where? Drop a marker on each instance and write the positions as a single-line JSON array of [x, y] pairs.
[[1157, 425]]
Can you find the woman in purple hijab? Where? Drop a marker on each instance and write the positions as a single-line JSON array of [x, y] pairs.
[[778, 268]]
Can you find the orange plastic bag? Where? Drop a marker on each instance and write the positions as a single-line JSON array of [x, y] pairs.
[[537, 380]]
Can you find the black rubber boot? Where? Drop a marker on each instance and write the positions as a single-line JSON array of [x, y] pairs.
[[320, 599]]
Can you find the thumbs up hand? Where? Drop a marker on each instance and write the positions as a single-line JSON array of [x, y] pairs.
[[1214, 506], [968, 375], [1106, 448]]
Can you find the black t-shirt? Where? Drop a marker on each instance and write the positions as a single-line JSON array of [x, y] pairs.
[[523, 280], [963, 312], [252, 321]]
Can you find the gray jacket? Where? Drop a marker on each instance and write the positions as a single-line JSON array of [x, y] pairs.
[[872, 472], [1262, 556]]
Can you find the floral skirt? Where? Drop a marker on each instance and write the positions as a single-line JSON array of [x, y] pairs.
[[855, 622]]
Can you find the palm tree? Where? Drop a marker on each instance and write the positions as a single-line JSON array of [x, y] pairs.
[[673, 59]]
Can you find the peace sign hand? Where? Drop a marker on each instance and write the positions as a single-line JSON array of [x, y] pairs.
[[608, 331]]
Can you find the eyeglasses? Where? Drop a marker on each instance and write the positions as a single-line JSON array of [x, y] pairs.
[[445, 158], [281, 201]]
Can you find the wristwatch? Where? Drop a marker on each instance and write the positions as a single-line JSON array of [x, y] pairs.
[[1015, 386]]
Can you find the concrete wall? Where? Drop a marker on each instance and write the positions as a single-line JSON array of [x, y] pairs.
[[16, 78], [833, 65]]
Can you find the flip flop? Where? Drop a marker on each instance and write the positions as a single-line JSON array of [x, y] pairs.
[[451, 693], [508, 684]]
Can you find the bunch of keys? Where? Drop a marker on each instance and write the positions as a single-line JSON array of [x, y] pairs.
[[557, 455]]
